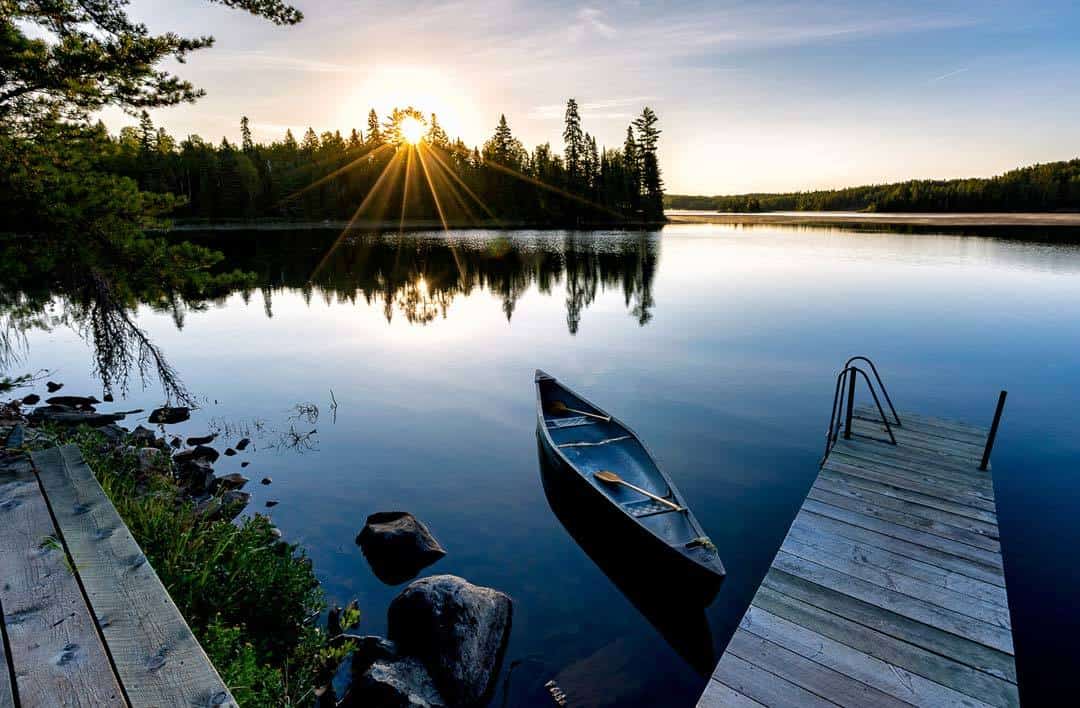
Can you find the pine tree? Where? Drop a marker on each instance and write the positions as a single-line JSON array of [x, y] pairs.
[[374, 133], [592, 176], [648, 136], [246, 144], [147, 133], [575, 143], [632, 172], [310, 144], [436, 135], [355, 140], [290, 141]]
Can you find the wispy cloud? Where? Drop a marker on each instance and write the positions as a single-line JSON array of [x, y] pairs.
[[950, 74], [591, 22], [281, 61], [610, 108]]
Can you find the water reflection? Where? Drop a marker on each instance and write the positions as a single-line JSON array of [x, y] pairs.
[[680, 620]]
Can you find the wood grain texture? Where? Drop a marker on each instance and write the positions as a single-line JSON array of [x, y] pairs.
[[889, 586], [158, 660], [56, 653]]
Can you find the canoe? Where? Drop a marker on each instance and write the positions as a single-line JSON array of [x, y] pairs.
[[580, 439]]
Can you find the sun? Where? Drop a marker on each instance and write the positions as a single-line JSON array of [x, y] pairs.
[[412, 130]]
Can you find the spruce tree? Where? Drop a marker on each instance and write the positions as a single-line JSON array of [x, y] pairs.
[[354, 139], [575, 143], [310, 143], [648, 136], [632, 172], [374, 133], [246, 144], [147, 133], [436, 135]]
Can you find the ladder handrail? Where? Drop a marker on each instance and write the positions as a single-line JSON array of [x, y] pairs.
[[881, 383], [839, 407]]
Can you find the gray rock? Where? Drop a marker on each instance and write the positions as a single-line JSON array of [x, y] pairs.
[[53, 387], [202, 439], [234, 497], [65, 415], [113, 432], [85, 402], [401, 683], [31, 399], [459, 630], [199, 452], [170, 414], [196, 476], [397, 545], [151, 458], [369, 649], [143, 436], [242, 445], [234, 480]]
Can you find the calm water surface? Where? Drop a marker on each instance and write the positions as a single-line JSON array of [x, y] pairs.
[[718, 344]]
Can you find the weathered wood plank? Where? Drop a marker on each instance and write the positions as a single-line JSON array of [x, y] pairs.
[[7, 695], [157, 658], [911, 460], [947, 671], [859, 567], [978, 656], [902, 518], [922, 472], [718, 695], [831, 473], [56, 653], [873, 557], [913, 608], [928, 432], [919, 438], [946, 561], [885, 677], [919, 420], [814, 677], [962, 550], [920, 484], [763, 686]]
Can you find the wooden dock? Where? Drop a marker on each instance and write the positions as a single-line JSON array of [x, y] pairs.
[[888, 589], [86, 621]]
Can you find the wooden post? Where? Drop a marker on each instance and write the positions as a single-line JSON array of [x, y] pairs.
[[993, 432]]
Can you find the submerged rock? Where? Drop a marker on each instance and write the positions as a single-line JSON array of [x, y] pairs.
[[65, 415], [230, 481], [242, 445], [31, 399], [229, 452], [397, 545], [73, 401], [245, 463], [459, 630], [272, 503], [199, 452], [202, 439], [401, 683], [170, 414], [53, 387], [265, 480]]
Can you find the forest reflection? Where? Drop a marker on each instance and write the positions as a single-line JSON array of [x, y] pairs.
[[417, 277]]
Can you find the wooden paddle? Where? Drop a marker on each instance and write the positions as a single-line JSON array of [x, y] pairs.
[[612, 478], [560, 407]]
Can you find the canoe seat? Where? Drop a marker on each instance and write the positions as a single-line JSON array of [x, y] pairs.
[[556, 423], [647, 507], [606, 441]]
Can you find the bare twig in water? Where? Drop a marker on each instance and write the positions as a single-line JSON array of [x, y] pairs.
[[333, 406], [308, 412], [296, 441]]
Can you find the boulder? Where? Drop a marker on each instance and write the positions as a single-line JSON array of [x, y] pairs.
[[265, 481], [170, 414], [65, 415], [369, 649], [242, 445], [201, 439], [84, 402], [113, 432], [196, 476], [229, 481], [234, 497], [397, 545], [199, 452], [175, 443], [151, 458], [229, 452], [401, 683], [459, 630], [31, 399], [53, 387], [143, 436]]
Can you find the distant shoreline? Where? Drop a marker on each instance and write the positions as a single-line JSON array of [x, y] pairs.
[[395, 225], [1004, 219]]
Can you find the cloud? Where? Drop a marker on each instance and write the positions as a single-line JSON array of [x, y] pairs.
[[611, 109], [590, 21]]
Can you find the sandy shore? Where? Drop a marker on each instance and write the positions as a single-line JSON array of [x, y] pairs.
[[970, 219]]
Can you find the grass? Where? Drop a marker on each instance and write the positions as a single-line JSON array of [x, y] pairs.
[[250, 599]]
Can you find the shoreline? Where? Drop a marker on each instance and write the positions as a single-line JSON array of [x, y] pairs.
[[1003, 219], [407, 225]]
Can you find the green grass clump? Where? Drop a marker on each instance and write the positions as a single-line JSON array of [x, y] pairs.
[[249, 598]]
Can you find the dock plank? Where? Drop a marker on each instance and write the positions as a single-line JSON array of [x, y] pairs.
[[889, 580], [158, 660], [57, 656]]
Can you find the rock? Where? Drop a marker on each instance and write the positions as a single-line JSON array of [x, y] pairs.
[[196, 476], [84, 402], [151, 458], [53, 387], [209, 507], [401, 683], [276, 532], [242, 445], [16, 436], [397, 545], [65, 415], [459, 630], [265, 480], [229, 481], [229, 452], [271, 503], [199, 452], [108, 397], [245, 463], [369, 649], [31, 399], [170, 414], [143, 436], [113, 432], [202, 439], [235, 497], [175, 443]]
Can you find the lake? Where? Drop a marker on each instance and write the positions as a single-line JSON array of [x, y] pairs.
[[718, 344]]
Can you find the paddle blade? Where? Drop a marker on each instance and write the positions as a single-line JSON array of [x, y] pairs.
[[607, 476], [557, 407]]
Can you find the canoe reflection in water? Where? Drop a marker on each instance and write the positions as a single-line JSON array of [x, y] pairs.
[[675, 611]]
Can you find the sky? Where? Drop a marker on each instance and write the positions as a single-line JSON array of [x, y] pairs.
[[752, 96]]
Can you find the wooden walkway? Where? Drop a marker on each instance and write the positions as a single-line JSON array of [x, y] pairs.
[[86, 621], [888, 589]]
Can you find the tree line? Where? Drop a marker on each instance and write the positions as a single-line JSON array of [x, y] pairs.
[[1053, 186], [330, 175]]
